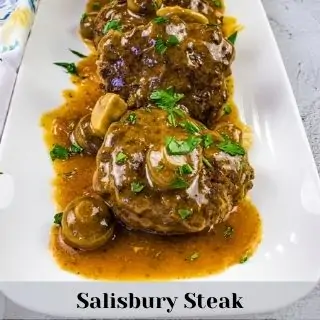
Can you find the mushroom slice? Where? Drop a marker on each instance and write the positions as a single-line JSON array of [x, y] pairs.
[[185, 14], [109, 108]]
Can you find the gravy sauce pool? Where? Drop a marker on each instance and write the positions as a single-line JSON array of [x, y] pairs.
[[135, 255]]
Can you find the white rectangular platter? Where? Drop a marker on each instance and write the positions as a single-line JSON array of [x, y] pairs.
[[286, 191]]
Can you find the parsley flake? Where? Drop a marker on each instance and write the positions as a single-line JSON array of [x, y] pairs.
[[161, 45], [112, 25], [230, 147], [179, 183], [176, 147], [80, 55], [69, 67], [233, 38], [207, 140], [227, 109], [59, 152], [207, 162], [75, 149], [121, 158], [244, 258], [136, 187], [185, 169], [132, 118], [57, 218], [191, 127], [228, 232], [184, 213], [160, 20]]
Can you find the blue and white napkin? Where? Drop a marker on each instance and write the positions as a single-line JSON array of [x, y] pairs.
[[16, 20]]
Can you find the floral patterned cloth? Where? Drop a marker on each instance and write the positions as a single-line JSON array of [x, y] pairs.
[[16, 19]]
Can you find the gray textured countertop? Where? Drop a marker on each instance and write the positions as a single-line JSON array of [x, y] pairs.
[[296, 24]]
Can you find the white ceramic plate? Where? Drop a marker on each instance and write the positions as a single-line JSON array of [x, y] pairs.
[[286, 188]]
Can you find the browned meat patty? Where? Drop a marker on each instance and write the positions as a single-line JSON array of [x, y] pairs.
[[192, 58], [170, 178]]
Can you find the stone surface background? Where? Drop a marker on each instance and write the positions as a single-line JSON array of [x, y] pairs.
[[296, 24]]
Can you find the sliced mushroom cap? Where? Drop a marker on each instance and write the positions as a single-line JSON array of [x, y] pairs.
[[185, 14], [163, 169], [84, 136], [87, 223], [109, 108]]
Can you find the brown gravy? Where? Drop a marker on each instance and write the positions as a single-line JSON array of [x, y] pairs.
[[134, 255]]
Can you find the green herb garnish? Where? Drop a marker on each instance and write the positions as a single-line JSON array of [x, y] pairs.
[[96, 6], [185, 169], [207, 140], [161, 45], [217, 3], [57, 218], [191, 127], [184, 213], [112, 25], [228, 232], [132, 118], [83, 17], [136, 187], [59, 152], [80, 55], [193, 257], [160, 20], [167, 100], [233, 38], [244, 258], [230, 147], [227, 109], [179, 183], [75, 149], [176, 147], [69, 67], [206, 162], [121, 158]]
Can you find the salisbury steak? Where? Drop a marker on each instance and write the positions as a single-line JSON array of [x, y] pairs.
[[193, 58], [170, 177]]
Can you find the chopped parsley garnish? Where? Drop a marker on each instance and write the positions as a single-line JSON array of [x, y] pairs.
[[207, 140], [167, 100], [159, 167], [112, 25], [185, 169], [75, 149], [136, 187], [176, 147], [191, 127], [233, 38], [84, 17], [1, 172], [230, 147], [228, 232], [244, 258], [121, 158], [96, 6], [80, 55], [206, 162], [161, 45], [184, 213], [217, 3], [160, 20], [179, 183], [62, 153], [132, 118], [69, 67], [59, 152], [57, 218], [227, 109], [193, 257]]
